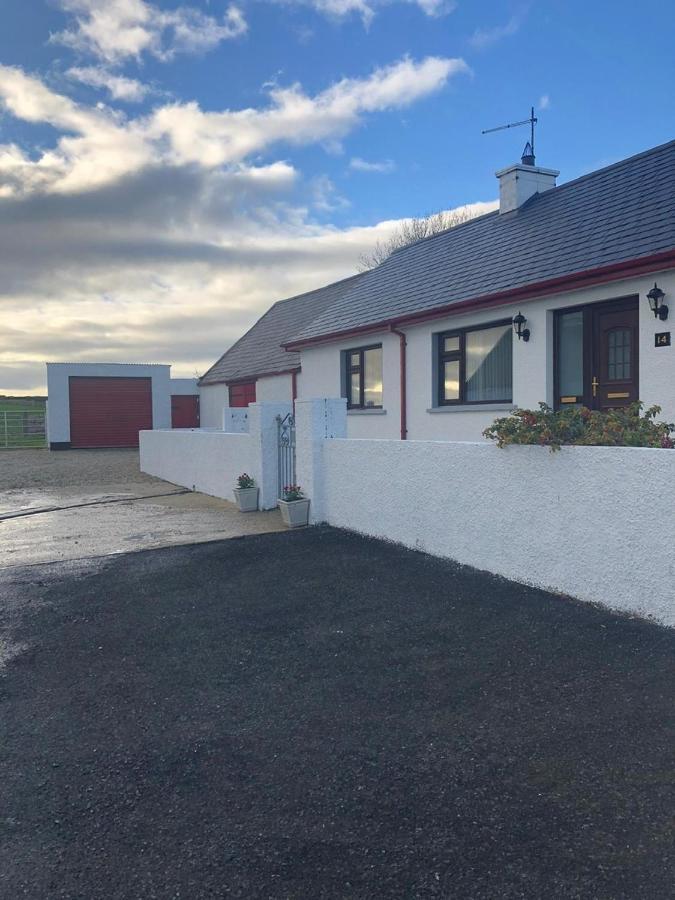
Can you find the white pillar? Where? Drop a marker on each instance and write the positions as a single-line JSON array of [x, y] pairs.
[[235, 419], [262, 420], [316, 421]]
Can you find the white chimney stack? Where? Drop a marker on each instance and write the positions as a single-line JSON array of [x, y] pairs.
[[519, 182]]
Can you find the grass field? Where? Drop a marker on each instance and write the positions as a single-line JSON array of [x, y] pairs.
[[22, 422]]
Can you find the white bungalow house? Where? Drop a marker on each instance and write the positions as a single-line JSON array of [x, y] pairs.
[[561, 296], [425, 346]]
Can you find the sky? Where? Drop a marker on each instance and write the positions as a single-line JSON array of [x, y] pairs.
[[168, 170]]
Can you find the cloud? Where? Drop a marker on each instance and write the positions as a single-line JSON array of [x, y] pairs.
[[486, 37], [163, 236], [129, 90], [366, 9], [544, 101], [101, 145], [116, 30], [384, 166]]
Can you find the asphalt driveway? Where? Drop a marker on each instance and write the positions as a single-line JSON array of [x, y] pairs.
[[319, 715]]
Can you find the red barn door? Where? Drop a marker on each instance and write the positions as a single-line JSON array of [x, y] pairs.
[[184, 411]]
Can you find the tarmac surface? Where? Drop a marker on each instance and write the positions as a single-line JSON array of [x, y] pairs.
[[319, 715]]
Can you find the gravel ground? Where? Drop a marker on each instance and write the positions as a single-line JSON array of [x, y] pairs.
[[319, 715], [20, 469]]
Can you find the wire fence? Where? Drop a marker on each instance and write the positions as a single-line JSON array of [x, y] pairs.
[[22, 429]]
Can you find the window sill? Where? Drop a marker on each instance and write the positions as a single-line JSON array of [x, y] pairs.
[[366, 412], [474, 407]]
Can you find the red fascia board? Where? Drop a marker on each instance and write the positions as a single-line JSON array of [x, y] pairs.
[[560, 285], [246, 378]]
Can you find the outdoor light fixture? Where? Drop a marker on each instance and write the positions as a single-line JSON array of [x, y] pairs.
[[518, 322], [656, 304]]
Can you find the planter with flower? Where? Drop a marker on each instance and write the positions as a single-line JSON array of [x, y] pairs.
[[294, 506], [246, 493]]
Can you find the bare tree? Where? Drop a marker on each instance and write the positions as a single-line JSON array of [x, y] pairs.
[[412, 230]]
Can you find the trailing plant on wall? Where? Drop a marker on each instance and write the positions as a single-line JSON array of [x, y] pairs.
[[627, 426]]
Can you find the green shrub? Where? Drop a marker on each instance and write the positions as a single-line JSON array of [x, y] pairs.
[[623, 427]]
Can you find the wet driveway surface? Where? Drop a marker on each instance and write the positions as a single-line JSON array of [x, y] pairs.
[[318, 715], [85, 503]]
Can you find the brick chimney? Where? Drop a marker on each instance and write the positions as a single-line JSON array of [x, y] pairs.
[[519, 182]]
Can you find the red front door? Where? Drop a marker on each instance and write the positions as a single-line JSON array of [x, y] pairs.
[[109, 412], [242, 394], [184, 411]]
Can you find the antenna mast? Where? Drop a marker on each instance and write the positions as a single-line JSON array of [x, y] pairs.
[[532, 121]]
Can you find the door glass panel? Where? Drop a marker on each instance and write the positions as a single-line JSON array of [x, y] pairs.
[[372, 384], [355, 389], [451, 380], [488, 364], [355, 361], [450, 344], [618, 354], [571, 354]]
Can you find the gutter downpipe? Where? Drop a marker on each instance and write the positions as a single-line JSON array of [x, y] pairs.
[[294, 387], [402, 371]]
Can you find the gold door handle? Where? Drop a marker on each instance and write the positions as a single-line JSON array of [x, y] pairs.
[[594, 385]]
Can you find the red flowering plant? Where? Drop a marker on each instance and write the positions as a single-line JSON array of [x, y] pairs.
[[627, 426], [293, 492], [244, 482]]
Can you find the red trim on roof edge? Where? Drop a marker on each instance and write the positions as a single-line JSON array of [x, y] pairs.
[[559, 285], [245, 378]]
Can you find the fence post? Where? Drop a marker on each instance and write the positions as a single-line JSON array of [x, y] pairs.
[[315, 422], [262, 419]]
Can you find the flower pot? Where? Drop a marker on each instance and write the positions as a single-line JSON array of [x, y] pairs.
[[247, 499], [294, 512]]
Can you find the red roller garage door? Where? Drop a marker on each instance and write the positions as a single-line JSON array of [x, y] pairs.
[[109, 412], [184, 411]]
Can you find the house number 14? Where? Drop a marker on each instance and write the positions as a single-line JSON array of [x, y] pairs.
[[662, 339]]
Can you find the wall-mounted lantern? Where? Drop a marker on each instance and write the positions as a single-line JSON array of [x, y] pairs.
[[656, 304], [523, 333]]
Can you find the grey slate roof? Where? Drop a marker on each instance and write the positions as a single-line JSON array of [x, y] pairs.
[[616, 214], [259, 351]]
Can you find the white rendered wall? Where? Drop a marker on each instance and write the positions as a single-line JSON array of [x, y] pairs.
[[210, 461], [274, 389], [207, 461], [532, 365], [58, 420], [213, 398], [595, 523], [184, 386]]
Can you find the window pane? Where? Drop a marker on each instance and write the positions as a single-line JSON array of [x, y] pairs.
[[450, 344], [355, 389], [618, 351], [354, 360], [451, 380], [372, 390], [488, 364], [571, 354]]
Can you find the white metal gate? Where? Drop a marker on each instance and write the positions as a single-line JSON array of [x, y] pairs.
[[285, 452], [22, 429]]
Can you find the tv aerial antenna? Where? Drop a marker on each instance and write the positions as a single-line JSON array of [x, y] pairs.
[[528, 152]]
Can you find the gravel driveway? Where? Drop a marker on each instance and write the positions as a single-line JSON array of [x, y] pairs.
[[317, 715], [32, 469]]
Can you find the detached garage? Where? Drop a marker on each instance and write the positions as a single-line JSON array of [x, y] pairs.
[[105, 405]]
